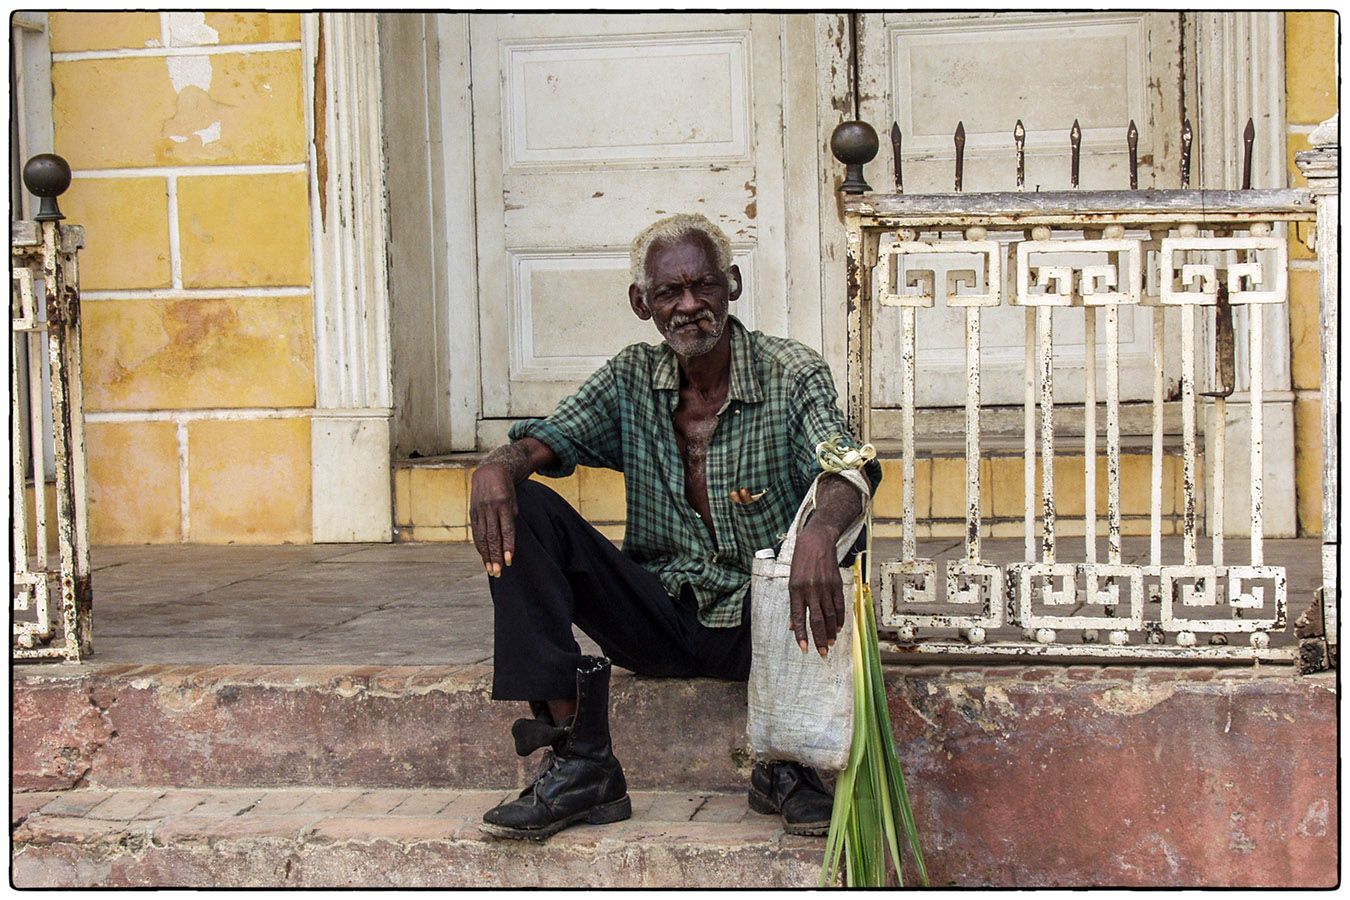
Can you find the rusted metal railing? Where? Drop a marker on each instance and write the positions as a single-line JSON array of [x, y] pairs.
[[51, 609], [1177, 252]]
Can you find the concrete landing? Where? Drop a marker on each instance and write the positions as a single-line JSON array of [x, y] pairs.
[[315, 837], [382, 604]]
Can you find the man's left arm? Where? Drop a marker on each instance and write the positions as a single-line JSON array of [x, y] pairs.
[[815, 588]]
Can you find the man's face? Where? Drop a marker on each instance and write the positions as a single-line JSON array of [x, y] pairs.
[[688, 296]]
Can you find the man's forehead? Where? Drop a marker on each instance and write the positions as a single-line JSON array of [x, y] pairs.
[[693, 250]]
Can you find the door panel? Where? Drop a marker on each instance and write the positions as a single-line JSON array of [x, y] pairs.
[[927, 72], [588, 128]]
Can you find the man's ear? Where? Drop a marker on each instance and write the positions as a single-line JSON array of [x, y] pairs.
[[638, 302], [733, 283]]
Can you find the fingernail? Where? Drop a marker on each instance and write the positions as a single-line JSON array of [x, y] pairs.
[[508, 557], [802, 644], [822, 654]]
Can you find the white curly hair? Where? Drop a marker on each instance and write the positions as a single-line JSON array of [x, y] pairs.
[[669, 230]]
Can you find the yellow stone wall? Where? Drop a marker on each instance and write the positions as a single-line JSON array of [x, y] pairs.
[[1310, 98], [186, 133]]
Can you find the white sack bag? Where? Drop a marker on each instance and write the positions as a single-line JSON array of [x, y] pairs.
[[800, 706]]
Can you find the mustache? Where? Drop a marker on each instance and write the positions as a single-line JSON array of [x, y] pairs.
[[704, 316]]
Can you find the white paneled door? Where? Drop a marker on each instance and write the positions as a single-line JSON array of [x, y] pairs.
[[929, 71], [586, 129]]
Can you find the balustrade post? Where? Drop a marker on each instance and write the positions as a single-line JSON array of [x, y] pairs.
[[1320, 165], [45, 315]]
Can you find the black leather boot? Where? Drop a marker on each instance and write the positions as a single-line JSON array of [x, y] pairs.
[[795, 792], [580, 780]]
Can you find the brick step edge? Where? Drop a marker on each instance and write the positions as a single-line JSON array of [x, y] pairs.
[[316, 837]]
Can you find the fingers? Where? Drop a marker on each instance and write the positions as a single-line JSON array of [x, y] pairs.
[[821, 631], [798, 619], [507, 525]]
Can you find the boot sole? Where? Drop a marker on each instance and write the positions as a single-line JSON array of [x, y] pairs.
[[604, 814], [763, 805]]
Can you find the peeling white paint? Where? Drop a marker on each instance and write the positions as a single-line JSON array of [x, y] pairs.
[[208, 134], [189, 29], [193, 71], [1133, 700], [177, 138]]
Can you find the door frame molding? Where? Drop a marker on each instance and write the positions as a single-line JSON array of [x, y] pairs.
[[350, 439]]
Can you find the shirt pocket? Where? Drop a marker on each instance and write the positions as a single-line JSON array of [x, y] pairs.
[[761, 523]]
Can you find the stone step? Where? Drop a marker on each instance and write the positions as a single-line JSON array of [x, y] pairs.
[[1020, 775], [320, 837]]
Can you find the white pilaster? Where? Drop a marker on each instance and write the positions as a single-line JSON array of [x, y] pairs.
[[351, 445]]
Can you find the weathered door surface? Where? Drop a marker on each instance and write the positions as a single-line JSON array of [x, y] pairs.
[[929, 71], [587, 128]]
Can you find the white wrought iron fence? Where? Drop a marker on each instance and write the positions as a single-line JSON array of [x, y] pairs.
[[51, 597], [1184, 255]]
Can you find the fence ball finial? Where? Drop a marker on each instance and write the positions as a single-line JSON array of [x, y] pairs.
[[854, 144], [47, 176]]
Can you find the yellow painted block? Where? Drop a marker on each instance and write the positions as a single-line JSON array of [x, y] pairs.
[[439, 497], [1310, 66], [49, 517], [75, 31], [1006, 478], [437, 534], [1171, 486], [889, 501], [226, 108], [1295, 143], [1134, 527], [1308, 463], [403, 497], [133, 482], [186, 354], [601, 495], [126, 231], [1005, 530], [949, 489], [1305, 335], [1070, 528], [613, 532], [1069, 486], [249, 481], [888, 529], [244, 230], [945, 530], [1136, 484], [1300, 234], [255, 27]]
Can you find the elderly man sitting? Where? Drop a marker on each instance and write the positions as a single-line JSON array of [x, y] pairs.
[[715, 431]]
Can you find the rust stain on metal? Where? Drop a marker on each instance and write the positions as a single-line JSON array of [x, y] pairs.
[[321, 123]]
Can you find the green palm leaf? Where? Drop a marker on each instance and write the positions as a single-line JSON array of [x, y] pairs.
[[870, 793]]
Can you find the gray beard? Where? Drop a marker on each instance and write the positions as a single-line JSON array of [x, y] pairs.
[[696, 346]]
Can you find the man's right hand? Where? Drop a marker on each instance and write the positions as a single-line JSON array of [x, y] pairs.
[[492, 512]]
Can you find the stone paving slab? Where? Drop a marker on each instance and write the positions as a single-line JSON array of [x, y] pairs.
[[382, 838], [390, 604]]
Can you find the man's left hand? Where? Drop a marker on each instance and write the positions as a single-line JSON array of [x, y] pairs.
[[815, 589]]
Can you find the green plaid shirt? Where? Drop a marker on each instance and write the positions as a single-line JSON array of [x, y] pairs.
[[781, 402]]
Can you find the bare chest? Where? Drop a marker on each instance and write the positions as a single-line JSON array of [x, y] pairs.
[[695, 422]]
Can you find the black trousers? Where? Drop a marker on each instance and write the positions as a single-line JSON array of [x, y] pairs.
[[563, 571]]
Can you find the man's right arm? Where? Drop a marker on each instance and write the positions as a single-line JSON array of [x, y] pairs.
[[492, 498]]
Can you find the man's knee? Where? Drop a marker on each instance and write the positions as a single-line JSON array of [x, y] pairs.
[[539, 502]]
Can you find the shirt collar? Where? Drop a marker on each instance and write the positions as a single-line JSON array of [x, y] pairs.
[[744, 385]]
